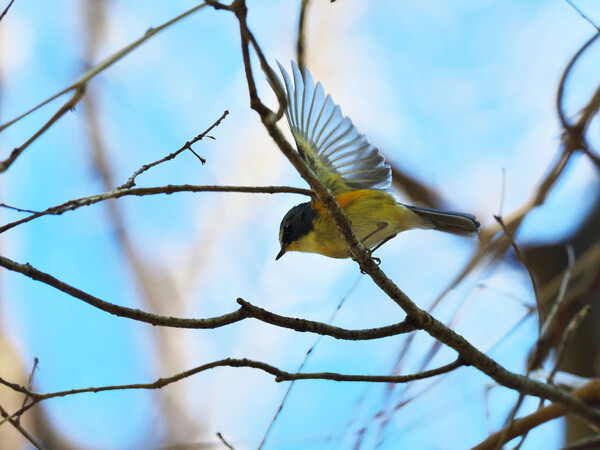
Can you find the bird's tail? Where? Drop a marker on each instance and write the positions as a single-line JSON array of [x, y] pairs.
[[450, 222]]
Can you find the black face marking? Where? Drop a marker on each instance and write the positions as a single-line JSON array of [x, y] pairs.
[[296, 223]]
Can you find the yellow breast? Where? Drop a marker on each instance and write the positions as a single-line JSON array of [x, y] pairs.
[[367, 210]]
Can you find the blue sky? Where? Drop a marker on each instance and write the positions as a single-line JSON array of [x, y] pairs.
[[454, 92]]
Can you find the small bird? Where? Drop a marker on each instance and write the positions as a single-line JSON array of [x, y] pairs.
[[355, 172]]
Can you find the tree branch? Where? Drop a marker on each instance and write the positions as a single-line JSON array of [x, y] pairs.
[[280, 375], [187, 146], [245, 311], [140, 192]]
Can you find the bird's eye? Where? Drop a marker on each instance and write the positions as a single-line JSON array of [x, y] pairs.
[[287, 227]]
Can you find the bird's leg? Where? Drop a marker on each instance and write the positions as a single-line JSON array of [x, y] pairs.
[[383, 242], [380, 226]]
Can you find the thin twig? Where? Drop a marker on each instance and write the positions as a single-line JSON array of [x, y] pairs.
[[416, 190], [590, 21], [561, 291], [169, 189], [588, 111], [14, 208], [30, 381], [591, 155], [187, 146], [522, 258], [223, 441], [544, 343]]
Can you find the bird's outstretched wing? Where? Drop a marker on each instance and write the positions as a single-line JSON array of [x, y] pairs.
[[341, 157]]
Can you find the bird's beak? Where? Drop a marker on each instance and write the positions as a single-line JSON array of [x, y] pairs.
[[281, 253]]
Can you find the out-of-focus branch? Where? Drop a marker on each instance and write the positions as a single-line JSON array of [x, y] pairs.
[[79, 87], [224, 441], [280, 375], [590, 393], [68, 106], [300, 42], [6, 10], [521, 256], [14, 421], [417, 191]]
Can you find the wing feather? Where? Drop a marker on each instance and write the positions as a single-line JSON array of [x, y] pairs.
[[339, 155]]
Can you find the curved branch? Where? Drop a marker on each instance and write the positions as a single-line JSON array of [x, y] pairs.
[[245, 311], [310, 326], [301, 40], [563, 80], [280, 375]]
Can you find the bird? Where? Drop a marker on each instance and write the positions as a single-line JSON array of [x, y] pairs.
[[354, 171]]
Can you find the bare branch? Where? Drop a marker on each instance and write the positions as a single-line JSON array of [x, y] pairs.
[[304, 325], [169, 189], [14, 208], [245, 311], [371, 378], [280, 375], [187, 146]]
